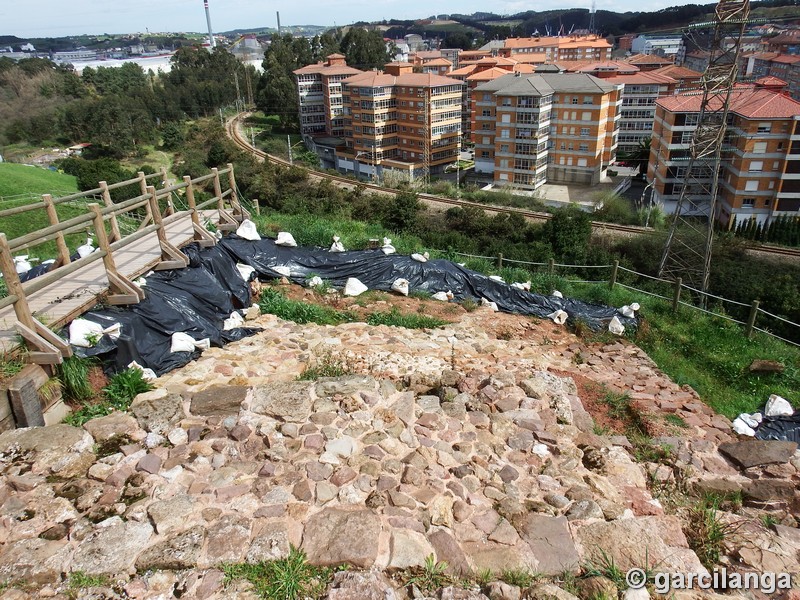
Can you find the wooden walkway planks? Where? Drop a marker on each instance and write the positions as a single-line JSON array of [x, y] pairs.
[[69, 297]]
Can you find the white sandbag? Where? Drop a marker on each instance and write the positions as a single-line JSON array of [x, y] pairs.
[[387, 247], [21, 264], [113, 331], [183, 342], [442, 296], [778, 407], [147, 374], [749, 420], [285, 239], [282, 270], [401, 286], [496, 278], [526, 286], [492, 305], [49, 261], [141, 282], [353, 287], [559, 317], [315, 281], [232, 322], [419, 257], [87, 248], [557, 294], [82, 331], [336, 246], [616, 327], [739, 426], [757, 417], [248, 231], [634, 306], [627, 311], [246, 271]]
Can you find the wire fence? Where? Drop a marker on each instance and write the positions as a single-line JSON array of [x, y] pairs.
[[756, 316]]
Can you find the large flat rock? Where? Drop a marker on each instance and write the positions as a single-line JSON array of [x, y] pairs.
[[752, 453], [288, 401], [551, 542], [218, 400], [335, 536]]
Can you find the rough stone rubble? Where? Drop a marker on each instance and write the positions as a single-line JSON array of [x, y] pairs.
[[448, 442]]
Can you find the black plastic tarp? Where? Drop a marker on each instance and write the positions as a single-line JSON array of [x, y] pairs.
[[378, 271], [196, 300], [780, 428]]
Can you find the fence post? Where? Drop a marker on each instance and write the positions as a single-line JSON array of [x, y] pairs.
[[148, 207], [121, 289], [676, 296], [751, 319], [21, 308], [256, 206], [551, 266], [63, 251], [171, 256], [217, 189], [499, 260], [115, 234], [190, 199], [232, 184], [614, 270]]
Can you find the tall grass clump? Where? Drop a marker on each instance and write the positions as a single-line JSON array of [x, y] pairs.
[[74, 376], [272, 301]]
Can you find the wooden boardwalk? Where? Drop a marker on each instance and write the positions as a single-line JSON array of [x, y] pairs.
[[65, 299]]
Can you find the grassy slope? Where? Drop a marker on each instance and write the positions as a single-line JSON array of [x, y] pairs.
[[31, 182], [708, 353], [21, 179]]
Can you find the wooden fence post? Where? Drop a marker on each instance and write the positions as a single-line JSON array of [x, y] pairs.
[[256, 206], [551, 266], [499, 260], [218, 189], [613, 281], [201, 235], [676, 296], [171, 257], [63, 251], [9, 270], [122, 291], [751, 319], [115, 234], [148, 206]]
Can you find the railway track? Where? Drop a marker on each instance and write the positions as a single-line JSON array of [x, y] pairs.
[[233, 131]]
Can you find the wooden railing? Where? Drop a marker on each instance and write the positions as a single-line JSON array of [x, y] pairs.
[[44, 346]]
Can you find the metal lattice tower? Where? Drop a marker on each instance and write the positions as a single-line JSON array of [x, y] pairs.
[[687, 251], [591, 18]]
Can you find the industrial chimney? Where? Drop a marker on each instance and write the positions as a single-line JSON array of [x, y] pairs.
[[278, 13], [208, 21]]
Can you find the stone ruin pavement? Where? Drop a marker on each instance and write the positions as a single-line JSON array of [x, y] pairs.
[[450, 442]]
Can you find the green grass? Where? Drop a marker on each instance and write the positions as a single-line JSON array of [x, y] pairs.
[[709, 353], [395, 318], [430, 577], [10, 366], [327, 365], [74, 376], [117, 395], [272, 301], [519, 577], [289, 578], [16, 180]]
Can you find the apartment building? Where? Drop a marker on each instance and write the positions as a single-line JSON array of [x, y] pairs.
[[319, 93], [400, 120], [649, 62], [662, 45], [782, 66], [760, 173], [686, 79], [588, 47], [638, 110], [556, 127]]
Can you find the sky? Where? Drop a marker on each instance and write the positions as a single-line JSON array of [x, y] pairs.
[[57, 18]]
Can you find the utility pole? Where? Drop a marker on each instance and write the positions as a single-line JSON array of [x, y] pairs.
[[289, 145], [208, 22], [687, 251]]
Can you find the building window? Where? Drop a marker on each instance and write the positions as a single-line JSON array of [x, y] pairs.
[[574, 100], [751, 202], [587, 100], [485, 154], [584, 147], [751, 186], [756, 166], [486, 112], [486, 140], [764, 127], [584, 131], [760, 148], [586, 116], [504, 148]]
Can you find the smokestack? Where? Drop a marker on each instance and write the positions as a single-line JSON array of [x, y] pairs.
[[208, 21], [277, 12]]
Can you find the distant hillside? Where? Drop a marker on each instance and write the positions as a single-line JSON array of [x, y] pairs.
[[16, 180]]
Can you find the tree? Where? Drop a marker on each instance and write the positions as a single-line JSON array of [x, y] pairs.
[[171, 136], [366, 49], [403, 212], [458, 39], [639, 156], [569, 232], [276, 93]]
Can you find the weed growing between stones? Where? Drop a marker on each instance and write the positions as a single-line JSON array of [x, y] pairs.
[[327, 365], [675, 420], [78, 580], [519, 577], [118, 395], [431, 576], [394, 318], [705, 532], [272, 301], [289, 578]]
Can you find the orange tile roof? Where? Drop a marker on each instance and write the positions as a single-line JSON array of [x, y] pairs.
[[765, 55], [324, 69], [487, 74], [462, 71], [529, 57], [770, 81], [438, 62], [647, 59], [557, 42], [748, 101], [789, 59], [640, 78], [381, 79], [677, 72]]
